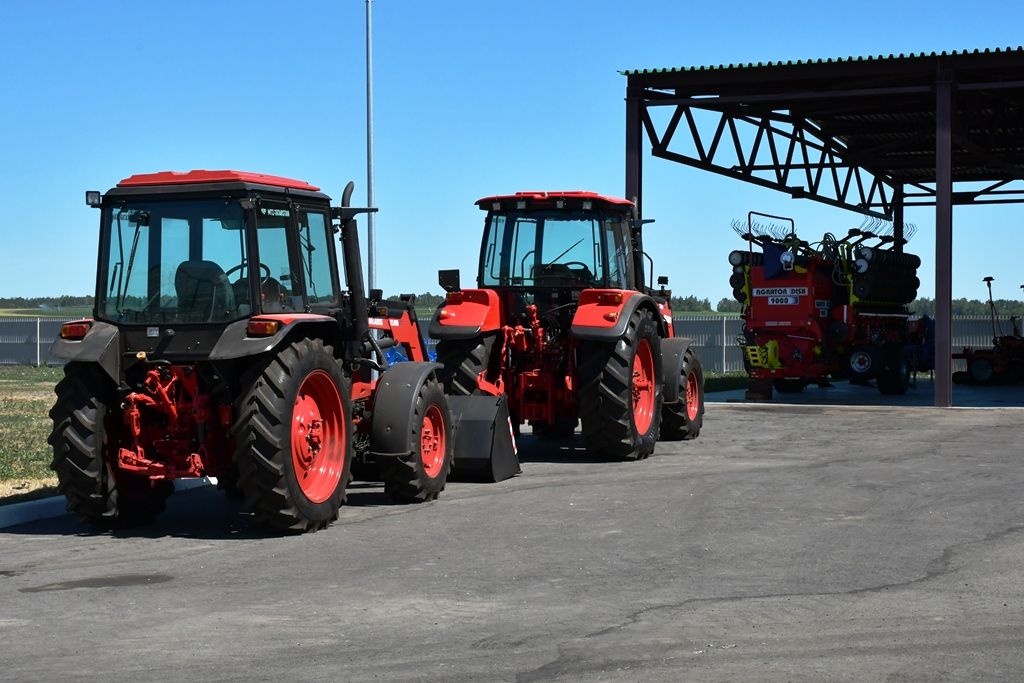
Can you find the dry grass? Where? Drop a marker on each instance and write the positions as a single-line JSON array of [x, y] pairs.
[[26, 395]]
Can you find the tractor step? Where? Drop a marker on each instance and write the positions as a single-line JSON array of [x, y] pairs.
[[485, 448]]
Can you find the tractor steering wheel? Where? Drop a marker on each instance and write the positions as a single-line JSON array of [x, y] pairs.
[[264, 268]]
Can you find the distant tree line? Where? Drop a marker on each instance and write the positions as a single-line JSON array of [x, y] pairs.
[[56, 302], [1004, 307]]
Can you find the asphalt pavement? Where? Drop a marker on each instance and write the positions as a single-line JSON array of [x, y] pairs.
[[786, 543]]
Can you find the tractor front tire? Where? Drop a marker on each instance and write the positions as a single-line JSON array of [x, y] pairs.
[[620, 393], [80, 450], [463, 361], [684, 418], [293, 438], [421, 475]]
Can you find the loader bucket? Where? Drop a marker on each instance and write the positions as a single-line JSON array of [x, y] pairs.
[[485, 449]]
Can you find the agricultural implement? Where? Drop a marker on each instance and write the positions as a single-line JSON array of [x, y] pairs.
[[1004, 362], [831, 310], [564, 328], [222, 344]]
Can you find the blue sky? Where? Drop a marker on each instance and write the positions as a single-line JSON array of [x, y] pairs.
[[471, 99]]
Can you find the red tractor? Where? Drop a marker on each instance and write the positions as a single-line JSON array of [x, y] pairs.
[[565, 328], [1004, 362], [223, 344]]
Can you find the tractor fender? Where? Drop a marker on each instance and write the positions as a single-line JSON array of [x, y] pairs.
[[465, 314], [673, 351], [393, 403], [235, 341], [101, 345], [591, 320]]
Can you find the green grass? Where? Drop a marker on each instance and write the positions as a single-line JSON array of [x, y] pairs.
[[26, 395]]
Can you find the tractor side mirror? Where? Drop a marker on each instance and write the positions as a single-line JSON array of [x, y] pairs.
[[449, 280]]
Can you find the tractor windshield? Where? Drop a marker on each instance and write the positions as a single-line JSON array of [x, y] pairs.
[[173, 261], [555, 249]]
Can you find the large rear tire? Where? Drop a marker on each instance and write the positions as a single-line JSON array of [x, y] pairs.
[[293, 437], [463, 361], [421, 475], [81, 447], [684, 418], [620, 393]]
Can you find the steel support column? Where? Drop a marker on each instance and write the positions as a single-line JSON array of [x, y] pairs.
[[634, 172], [897, 218], [943, 238]]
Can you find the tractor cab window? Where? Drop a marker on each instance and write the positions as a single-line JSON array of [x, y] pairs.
[[173, 261], [315, 254], [617, 249], [278, 289], [539, 249]]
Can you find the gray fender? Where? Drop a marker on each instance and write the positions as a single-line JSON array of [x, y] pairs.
[[393, 402], [587, 333], [673, 350], [101, 345], [234, 343]]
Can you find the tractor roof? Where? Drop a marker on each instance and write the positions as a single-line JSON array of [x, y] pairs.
[[200, 176], [569, 198]]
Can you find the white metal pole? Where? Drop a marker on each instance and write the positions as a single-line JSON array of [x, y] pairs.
[[371, 253], [38, 343], [723, 344]]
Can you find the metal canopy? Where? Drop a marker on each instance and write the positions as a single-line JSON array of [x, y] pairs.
[[870, 135]]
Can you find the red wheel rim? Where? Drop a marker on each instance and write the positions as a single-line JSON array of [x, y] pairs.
[[432, 441], [692, 396], [318, 436], [643, 387]]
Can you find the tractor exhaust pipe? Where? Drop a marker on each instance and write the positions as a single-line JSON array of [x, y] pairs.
[[353, 263]]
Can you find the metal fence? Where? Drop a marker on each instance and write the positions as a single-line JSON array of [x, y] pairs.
[[26, 341]]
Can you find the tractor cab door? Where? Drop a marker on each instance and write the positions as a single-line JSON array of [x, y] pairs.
[[296, 263]]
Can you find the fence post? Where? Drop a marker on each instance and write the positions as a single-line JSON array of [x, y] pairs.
[[38, 345], [723, 343]]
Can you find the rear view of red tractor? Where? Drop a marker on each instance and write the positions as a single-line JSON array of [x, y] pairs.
[[564, 327], [223, 345], [1004, 362], [834, 309]]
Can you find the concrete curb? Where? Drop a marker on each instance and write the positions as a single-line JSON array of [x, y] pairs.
[[55, 506]]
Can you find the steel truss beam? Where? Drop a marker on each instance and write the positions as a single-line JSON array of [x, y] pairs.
[[805, 162]]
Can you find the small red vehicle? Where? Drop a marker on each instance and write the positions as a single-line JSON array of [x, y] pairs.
[[564, 326]]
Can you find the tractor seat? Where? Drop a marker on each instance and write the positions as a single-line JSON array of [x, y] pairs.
[[204, 293]]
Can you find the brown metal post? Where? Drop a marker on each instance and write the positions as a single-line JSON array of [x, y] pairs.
[[943, 238]]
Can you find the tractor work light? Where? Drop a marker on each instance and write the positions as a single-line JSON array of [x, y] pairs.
[[262, 328], [560, 204], [75, 331], [521, 204], [495, 206], [93, 198], [588, 205]]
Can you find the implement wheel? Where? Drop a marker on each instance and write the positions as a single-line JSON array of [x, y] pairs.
[[421, 475], [293, 438], [620, 394], [684, 418], [80, 455]]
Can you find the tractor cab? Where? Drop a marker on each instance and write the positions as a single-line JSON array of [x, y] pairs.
[[212, 247], [552, 245]]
